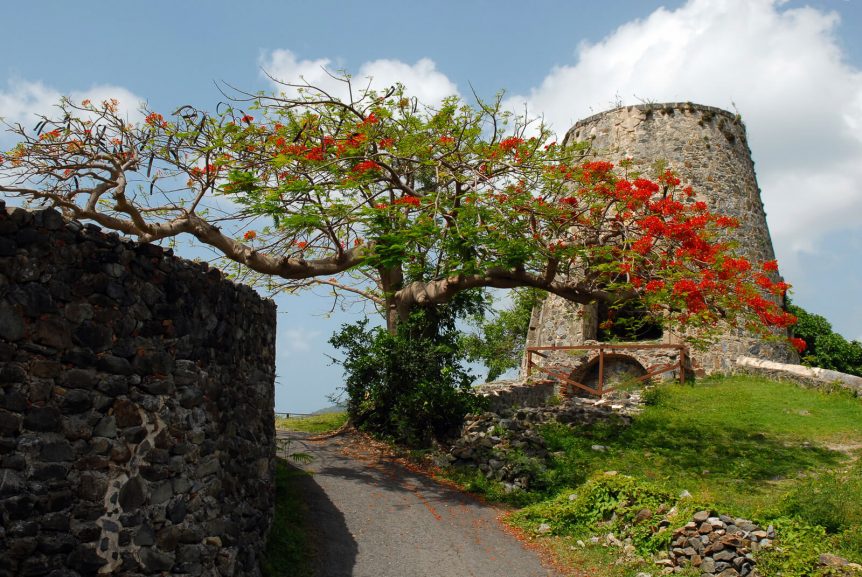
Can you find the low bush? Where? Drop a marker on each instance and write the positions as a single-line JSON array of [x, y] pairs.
[[410, 387], [610, 503]]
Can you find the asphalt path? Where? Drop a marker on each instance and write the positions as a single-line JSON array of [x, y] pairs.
[[371, 517]]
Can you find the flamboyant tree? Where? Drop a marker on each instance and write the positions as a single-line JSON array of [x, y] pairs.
[[401, 203]]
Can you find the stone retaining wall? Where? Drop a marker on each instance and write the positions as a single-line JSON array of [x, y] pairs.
[[502, 395], [808, 376], [136, 407]]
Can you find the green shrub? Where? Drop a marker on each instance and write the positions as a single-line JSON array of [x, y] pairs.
[[409, 387], [614, 503], [796, 551], [826, 348]]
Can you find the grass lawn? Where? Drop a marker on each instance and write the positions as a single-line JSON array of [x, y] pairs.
[[744, 446], [312, 424], [737, 442]]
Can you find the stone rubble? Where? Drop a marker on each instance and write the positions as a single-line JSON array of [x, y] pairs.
[[717, 545], [507, 447]]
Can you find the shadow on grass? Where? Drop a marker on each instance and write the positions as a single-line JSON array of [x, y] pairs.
[[687, 448], [309, 536]]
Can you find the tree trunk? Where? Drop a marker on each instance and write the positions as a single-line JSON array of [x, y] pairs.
[[392, 280]]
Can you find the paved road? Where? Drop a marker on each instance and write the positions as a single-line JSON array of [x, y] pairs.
[[374, 518]]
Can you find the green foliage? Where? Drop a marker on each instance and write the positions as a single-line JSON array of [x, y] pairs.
[[623, 505], [826, 348], [410, 386], [474, 481], [831, 499], [797, 551], [500, 342], [288, 549]]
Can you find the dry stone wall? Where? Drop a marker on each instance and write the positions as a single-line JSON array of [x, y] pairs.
[[707, 147], [136, 407]]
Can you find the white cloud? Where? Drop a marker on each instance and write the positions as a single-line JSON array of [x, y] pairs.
[[293, 341], [24, 101], [782, 68], [422, 79]]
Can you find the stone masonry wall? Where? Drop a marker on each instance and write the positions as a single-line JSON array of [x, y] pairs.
[[707, 147], [136, 407]]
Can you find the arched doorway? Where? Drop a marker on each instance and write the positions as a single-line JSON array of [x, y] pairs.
[[617, 369]]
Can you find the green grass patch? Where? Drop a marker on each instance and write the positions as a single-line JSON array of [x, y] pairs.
[[769, 451], [738, 442], [313, 423], [288, 550]]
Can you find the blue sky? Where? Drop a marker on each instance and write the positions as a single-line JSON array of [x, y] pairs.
[[792, 69]]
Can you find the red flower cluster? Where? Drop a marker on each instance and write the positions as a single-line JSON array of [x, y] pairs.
[[408, 201], [365, 166], [249, 235], [511, 143], [247, 119], [209, 170], [155, 119], [669, 178], [50, 135], [799, 344]]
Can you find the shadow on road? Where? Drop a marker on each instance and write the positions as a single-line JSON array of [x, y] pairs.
[[375, 518], [333, 546]]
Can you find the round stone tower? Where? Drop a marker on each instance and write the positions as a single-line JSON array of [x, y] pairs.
[[707, 148]]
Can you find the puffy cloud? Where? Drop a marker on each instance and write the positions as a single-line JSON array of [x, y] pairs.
[[782, 69], [23, 101], [422, 79]]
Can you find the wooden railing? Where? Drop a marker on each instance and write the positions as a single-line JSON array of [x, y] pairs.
[[565, 378]]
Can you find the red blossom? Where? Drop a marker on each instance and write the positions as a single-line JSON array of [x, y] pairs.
[[408, 200], [598, 166], [654, 286], [646, 185], [386, 143], [355, 140], [50, 135], [155, 119], [315, 153], [727, 222], [249, 235], [770, 266], [247, 119], [365, 166], [799, 344], [511, 143], [669, 178]]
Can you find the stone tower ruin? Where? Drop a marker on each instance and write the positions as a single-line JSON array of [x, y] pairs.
[[707, 148]]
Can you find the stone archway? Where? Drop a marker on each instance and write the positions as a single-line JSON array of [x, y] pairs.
[[617, 369]]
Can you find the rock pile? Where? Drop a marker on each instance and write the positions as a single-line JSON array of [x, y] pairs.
[[718, 545], [506, 446]]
